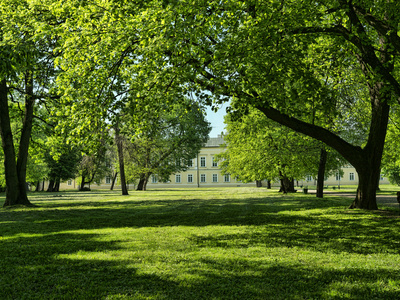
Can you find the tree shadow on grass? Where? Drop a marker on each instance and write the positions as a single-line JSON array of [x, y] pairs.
[[53, 274], [46, 260], [273, 222]]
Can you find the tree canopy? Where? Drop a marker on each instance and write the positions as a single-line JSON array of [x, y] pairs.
[[258, 149], [165, 140], [326, 69], [292, 60]]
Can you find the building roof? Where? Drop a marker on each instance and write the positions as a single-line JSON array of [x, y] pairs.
[[215, 142]]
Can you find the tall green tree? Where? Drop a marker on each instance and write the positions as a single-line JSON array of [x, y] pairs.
[[25, 69], [289, 60]]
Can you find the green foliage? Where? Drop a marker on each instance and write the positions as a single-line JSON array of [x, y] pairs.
[[258, 148], [65, 165], [93, 166], [165, 139], [236, 243], [391, 161]]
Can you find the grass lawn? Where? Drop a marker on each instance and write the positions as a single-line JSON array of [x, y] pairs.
[[231, 243]]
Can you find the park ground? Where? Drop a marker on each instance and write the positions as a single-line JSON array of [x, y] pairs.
[[230, 243]]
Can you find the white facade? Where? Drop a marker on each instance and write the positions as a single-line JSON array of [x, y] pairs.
[[204, 171]]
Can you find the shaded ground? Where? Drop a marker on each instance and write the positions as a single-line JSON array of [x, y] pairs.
[[385, 200]]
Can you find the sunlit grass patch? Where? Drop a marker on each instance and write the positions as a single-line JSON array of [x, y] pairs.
[[232, 243]]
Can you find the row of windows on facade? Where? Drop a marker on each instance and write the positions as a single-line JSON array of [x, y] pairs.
[[190, 178], [203, 162], [108, 180], [338, 177], [227, 178], [190, 164]]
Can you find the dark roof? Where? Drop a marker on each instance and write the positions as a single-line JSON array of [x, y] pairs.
[[215, 142]]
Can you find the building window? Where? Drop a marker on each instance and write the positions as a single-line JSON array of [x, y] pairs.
[[338, 177], [154, 179], [190, 178], [227, 178], [70, 182], [214, 162], [178, 178], [308, 178], [108, 179], [351, 176], [202, 161], [215, 178], [203, 178], [190, 163]]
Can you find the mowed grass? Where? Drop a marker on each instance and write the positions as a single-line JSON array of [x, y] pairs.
[[230, 243]]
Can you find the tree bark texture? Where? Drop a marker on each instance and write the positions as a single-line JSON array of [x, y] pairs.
[[140, 186], [144, 179], [113, 181], [15, 190], [287, 185], [269, 184], [50, 188], [26, 132], [121, 162]]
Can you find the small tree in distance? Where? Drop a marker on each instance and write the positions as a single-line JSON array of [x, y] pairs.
[[167, 141]]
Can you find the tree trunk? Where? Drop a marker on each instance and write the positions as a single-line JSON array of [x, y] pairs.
[[268, 184], [50, 188], [121, 162], [113, 181], [82, 185], [25, 135], [321, 173], [287, 184], [140, 186], [144, 179], [258, 183], [37, 189], [57, 185], [13, 186], [370, 168]]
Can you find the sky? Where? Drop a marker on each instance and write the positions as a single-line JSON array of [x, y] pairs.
[[216, 120]]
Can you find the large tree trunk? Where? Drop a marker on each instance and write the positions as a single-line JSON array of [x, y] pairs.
[[321, 173], [15, 190], [366, 190], [287, 184], [25, 135], [121, 162], [370, 168]]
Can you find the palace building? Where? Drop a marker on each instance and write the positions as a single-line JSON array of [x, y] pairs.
[[204, 171]]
